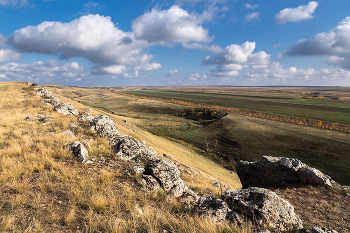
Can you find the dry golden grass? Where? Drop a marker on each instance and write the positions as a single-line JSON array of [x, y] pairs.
[[44, 189]]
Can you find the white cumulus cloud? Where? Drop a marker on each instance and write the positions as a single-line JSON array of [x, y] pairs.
[[93, 37], [252, 16], [250, 6], [336, 41], [196, 77], [14, 3], [172, 25], [296, 14], [231, 54], [337, 61], [173, 72], [40, 70], [7, 55], [2, 40]]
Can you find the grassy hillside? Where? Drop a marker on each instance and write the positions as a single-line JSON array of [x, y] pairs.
[[280, 104], [44, 189], [231, 138]]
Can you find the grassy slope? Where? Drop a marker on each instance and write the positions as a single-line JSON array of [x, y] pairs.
[[233, 137], [293, 105], [182, 154], [44, 189]]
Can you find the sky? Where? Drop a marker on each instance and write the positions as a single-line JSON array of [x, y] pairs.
[[176, 42]]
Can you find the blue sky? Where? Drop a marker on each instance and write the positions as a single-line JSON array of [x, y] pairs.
[[176, 42]]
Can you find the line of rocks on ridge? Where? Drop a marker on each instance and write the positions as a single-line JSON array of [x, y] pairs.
[[156, 173], [258, 206]]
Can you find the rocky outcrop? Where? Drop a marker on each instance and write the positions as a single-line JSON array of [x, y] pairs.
[[54, 101], [127, 148], [40, 117], [85, 116], [256, 206], [79, 151], [168, 175], [309, 175], [276, 171], [150, 183], [66, 109], [43, 92], [216, 209], [263, 207], [156, 173], [322, 230], [104, 126]]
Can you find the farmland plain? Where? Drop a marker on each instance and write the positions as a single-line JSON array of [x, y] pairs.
[[292, 105]]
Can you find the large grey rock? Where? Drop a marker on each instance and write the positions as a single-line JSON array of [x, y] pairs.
[[79, 151], [166, 172], [322, 230], [104, 126], [168, 176], [66, 109], [276, 171], [216, 209], [263, 207], [309, 175], [43, 92], [127, 148], [189, 197], [52, 100], [85, 117], [150, 183]]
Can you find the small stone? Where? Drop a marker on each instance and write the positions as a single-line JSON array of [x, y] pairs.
[[79, 151], [216, 184], [69, 133]]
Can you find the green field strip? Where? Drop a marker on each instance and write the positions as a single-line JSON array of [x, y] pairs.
[[320, 110]]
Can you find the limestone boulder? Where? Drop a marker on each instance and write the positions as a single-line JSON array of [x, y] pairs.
[[78, 150], [40, 117], [85, 117], [276, 171], [167, 173], [322, 230], [127, 148], [150, 183], [54, 101], [43, 92], [189, 197], [263, 207], [104, 126], [214, 208], [66, 109], [309, 175]]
